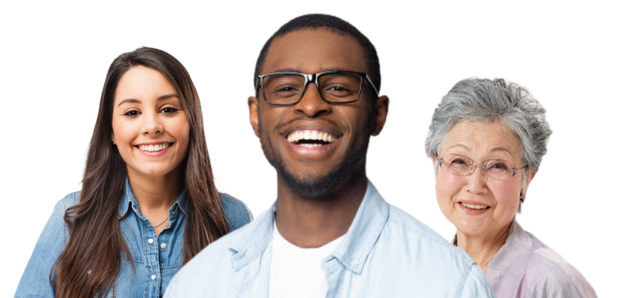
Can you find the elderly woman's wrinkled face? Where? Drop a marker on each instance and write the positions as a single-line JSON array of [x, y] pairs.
[[480, 203]]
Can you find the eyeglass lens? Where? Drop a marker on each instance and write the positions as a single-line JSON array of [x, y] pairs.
[[333, 87], [495, 168]]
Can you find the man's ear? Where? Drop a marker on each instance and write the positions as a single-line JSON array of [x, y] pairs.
[[252, 101], [381, 107]]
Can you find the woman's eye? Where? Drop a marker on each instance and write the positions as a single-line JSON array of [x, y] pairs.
[[169, 110], [132, 113], [498, 165], [458, 161]]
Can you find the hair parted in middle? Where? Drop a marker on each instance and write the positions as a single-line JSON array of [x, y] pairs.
[[87, 268]]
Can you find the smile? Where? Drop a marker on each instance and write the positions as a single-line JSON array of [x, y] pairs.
[[475, 207], [154, 147], [311, 138]]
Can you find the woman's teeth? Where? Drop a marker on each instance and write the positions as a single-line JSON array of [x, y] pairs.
[[154, 148], [476, 207]]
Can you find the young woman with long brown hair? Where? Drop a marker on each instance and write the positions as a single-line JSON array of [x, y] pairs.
[[148, 202]]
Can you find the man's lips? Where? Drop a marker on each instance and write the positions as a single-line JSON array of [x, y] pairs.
[[311, 138], [310, 133]]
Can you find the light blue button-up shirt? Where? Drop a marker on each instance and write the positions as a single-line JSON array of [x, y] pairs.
[[385, 253], [156, 258]]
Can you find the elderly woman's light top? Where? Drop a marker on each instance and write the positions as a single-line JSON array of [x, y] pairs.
[[487, 139]]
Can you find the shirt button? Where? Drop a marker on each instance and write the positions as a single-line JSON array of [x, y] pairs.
[[173, 212], [163, 245], [150, 240], [153, 277]]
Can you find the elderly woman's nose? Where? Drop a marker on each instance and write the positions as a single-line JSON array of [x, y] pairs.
[[476, 181]]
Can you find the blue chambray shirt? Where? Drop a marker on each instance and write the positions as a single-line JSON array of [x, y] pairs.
[[156, 258], [385, 253]]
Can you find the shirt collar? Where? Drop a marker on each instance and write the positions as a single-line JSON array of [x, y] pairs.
[[352, 252], [129, 199], [365, 230], [516, 242]]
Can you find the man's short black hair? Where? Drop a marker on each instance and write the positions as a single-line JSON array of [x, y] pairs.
[[335, 24]]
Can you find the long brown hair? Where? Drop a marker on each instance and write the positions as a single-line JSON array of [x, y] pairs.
[[88, 268]]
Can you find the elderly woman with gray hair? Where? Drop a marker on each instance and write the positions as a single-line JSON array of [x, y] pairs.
[[487, 139]]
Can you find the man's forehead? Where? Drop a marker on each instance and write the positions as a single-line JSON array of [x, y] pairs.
[[312, 50]]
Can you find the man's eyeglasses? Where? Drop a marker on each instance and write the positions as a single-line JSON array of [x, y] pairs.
[[463, 166], [335, 86]]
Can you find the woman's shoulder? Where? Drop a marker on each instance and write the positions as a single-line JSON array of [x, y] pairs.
[[236, 212], [550, 274], [71, 199]]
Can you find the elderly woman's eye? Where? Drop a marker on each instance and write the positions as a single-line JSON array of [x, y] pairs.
[[458, 161], [498, 165]]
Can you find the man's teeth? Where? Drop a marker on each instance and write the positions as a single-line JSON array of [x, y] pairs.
[[476, 207], [154, 148], [310, 135]]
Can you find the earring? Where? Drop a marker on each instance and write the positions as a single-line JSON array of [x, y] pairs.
[[521, 198], [113, 141]]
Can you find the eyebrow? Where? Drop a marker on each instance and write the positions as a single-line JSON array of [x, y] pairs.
[[495, 149], [133, 100], [299, 71]]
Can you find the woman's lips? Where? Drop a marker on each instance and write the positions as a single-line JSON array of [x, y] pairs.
[[153, 150], [473, 208]]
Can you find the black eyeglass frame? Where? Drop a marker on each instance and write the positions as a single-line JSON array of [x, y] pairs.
[[314, 78]]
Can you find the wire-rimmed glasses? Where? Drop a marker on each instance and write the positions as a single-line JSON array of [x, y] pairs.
[[334, 86], [497, 169]]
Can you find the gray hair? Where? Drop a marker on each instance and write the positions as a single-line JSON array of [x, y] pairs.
[[493, 100]]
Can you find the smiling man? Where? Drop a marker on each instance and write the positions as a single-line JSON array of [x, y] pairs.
[[330, 233]]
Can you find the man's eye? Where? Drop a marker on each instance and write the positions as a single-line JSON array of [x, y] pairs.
[[285, 89]]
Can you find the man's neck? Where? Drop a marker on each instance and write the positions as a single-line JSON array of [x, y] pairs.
[[310, 223]]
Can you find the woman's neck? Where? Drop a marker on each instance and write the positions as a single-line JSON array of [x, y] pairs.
[[156, 195], [482, 248]]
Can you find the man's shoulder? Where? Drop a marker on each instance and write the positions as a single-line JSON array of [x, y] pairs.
[[414, 236], [214, 266], [221, 249], [416, 231]]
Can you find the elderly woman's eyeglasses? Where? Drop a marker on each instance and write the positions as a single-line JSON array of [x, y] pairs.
[[463, 166], [335, 87]]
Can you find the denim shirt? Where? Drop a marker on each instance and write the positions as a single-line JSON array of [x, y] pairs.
[[156, 258], [385, 253]]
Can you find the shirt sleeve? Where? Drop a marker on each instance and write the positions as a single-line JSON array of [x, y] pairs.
[[35, 281], [476, 285], [559, 284]]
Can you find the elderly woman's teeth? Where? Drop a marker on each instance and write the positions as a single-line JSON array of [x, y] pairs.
[[476, 207]]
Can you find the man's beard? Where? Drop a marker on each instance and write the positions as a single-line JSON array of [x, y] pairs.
[[320, 188]]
